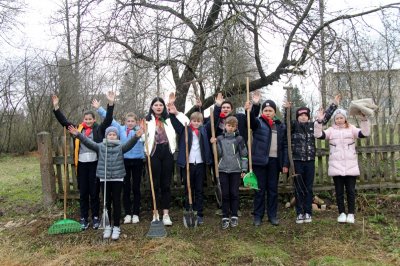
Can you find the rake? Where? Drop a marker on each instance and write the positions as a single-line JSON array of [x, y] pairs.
[[65, 225]]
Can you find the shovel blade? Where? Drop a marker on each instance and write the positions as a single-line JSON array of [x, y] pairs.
[[156, 230], [190, 218], [250, 181]]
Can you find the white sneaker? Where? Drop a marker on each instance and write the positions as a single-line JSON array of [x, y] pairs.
[[135, 219], [127, 219], [342, 218], [115, 233], [350, 218], [300, 219], [307, 218], [107, 232], [166, 220]]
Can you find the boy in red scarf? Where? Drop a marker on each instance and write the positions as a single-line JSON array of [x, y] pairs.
[[85, 159]]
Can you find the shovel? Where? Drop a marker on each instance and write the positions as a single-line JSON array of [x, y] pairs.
[[218, 192], [250, 179], [157, 229], [190, 216], [105, 221]]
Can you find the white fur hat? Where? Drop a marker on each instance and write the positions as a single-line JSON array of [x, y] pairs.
[[362, 107], [341, 112]]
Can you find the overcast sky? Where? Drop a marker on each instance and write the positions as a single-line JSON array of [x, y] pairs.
[[37, 34]]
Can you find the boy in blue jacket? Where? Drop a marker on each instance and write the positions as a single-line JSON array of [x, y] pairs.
[[199, 156], [133, 161]]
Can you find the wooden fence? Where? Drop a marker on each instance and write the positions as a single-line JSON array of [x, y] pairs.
[[379, 160]]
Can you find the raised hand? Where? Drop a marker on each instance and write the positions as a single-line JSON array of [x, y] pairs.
[[338, 97], [139, 132], [110, 97], [320, 114], [73, 130], [171, 98], [219, 99], [96, 104], [55, 101], [172, 108], [247, 106], [198, 102], [287, 104], [256, 97]]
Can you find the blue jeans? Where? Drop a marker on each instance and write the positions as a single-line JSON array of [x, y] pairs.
[[267, 177], [303, 185]]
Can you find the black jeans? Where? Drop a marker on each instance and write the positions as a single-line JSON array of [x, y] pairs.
[[267, 177], [113, 194], [230, 193], [134, 170], [197, 175], [162, 166], [89, 189], [303, 185], [348, 182]]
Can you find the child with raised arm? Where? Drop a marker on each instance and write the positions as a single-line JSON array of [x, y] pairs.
[[114, 172], [133, 161], [270, 157], [85, 159], [343, 161], [303, 152], [199, 156], [232, 155]]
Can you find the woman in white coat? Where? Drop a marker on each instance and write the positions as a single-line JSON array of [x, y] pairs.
[[343, 162], [162, 146]]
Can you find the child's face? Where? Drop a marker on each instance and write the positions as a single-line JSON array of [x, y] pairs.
[[226, 108], [196, 123], [89, 120], [230, 128], [112, 136], [340, 120], [130, 122], [269, 112], [303, 118], [157, 108]]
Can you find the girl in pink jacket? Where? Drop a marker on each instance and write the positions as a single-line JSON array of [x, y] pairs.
[[343, 163]]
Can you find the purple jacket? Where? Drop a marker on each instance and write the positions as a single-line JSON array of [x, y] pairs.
[[342, 147]]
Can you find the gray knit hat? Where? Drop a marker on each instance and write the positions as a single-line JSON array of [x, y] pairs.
[[340, 111], [112, 129]]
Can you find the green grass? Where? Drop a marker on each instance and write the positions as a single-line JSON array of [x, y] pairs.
[[373, 240]]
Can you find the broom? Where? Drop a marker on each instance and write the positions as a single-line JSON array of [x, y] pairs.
[[250, 179], [65, 225], [157, 229], [189, 217]]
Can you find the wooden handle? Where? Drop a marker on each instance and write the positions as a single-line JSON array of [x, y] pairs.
[[214, 145], [248, 127], [187, 165], [65, 172], [146, 143]]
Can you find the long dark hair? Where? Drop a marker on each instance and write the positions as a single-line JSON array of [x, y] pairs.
[[164, 113]]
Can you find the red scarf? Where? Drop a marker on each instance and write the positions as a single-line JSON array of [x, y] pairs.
[[268, 120], [88, 129], [195, 130], [222, 115], [127, 131]]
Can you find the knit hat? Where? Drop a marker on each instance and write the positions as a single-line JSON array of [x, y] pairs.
[[269, 103], [340, 111], [303, 110], [112, 129]]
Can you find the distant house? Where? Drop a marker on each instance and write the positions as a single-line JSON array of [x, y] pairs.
[[383, 86]]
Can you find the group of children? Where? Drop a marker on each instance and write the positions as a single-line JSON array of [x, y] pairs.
[[114, 152]]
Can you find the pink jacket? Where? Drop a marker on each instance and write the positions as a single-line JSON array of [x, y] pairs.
[[342, 147]]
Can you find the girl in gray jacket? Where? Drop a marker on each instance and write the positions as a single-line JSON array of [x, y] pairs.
[[114, 149]]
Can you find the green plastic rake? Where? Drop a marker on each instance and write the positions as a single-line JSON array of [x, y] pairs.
[[65, 225]]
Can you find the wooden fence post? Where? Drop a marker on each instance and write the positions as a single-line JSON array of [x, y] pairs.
[[46, 168]]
